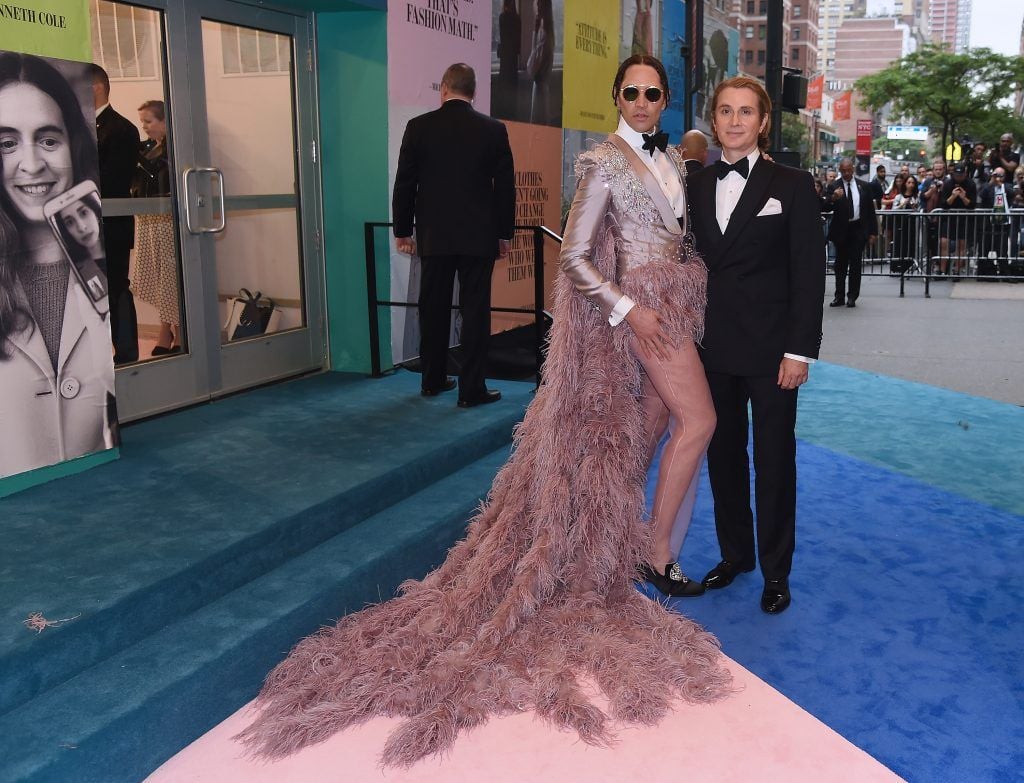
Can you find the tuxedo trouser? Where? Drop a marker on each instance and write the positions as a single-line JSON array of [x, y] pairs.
[[774, 418], [848, 261], [675, 396], [124, 327], [437, 280]]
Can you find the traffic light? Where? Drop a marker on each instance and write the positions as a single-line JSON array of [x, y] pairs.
[[794, 92]]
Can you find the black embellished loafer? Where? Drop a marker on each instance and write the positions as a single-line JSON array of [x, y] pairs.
[[673, 583], [837, 302], [448, 385], [775, 597], [722, 575], [486, 398]]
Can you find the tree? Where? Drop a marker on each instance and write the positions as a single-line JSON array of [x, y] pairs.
[[938, 88], [795, 137], [991, 125]]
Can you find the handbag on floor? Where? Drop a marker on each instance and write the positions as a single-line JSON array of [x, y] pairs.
[[250, 315]]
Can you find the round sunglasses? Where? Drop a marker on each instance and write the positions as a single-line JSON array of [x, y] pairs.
[[632, 91]]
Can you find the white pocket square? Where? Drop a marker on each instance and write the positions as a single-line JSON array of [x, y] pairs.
[[771, 207]]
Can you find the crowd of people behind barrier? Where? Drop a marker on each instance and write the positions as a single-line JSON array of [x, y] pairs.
[[975, 209]]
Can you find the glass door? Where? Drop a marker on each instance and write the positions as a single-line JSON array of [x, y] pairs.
[[226, 270]]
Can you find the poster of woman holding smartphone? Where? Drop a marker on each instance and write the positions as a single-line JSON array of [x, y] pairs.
[[56, 367]]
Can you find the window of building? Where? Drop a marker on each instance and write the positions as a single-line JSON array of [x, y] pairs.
[[760, 57], [796, 34], [796, 10], [794, 55], [750, 6], [750, 31], [763, 7], [247, 51], [125, 40], [760, 31]]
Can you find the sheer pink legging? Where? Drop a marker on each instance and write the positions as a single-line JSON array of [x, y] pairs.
[[675, 396]]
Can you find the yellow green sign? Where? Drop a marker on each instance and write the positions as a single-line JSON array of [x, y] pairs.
[[591, 54], [50, 28]]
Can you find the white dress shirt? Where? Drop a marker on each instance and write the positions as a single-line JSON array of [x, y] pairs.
[[665, 171], [727, 196]]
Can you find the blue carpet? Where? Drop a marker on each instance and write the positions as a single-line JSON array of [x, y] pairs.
[[907, 625]]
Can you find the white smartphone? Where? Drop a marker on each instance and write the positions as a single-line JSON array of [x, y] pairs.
[[76, 218]]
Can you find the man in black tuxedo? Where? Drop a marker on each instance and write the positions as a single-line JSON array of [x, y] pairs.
[[455, 176], [758, 227], [118, 143], [854, 224]]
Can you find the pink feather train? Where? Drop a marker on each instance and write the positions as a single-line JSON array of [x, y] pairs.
[[540, 591]]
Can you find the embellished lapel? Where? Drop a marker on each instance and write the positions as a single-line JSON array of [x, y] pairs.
[[750, 200], [677, 163], [650, 184]]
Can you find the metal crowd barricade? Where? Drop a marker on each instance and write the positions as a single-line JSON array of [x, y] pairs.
[[977, 244]]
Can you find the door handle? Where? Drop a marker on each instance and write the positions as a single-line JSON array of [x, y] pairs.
[[186, 179]]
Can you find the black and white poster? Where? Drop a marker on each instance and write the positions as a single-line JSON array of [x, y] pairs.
[[56, 362]]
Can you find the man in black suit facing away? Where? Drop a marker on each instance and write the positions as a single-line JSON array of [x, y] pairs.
[[694, 149], [853, 225], [118, 144], [455, 176], [758, 227]]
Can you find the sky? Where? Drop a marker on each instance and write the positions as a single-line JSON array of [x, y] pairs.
[[994, 23]]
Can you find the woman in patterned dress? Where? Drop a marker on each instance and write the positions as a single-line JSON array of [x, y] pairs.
[[156, 267]]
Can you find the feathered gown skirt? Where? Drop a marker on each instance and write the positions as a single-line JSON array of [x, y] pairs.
[[540, 592]]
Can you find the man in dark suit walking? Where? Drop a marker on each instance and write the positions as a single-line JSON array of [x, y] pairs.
[[758, 227], [455, 177], [854, 224], [118, 143]]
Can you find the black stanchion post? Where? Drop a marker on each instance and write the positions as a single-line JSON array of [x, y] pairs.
[[371, 298], [538, 297]]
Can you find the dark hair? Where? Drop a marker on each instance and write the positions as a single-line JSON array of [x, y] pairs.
[[764, 106], [156, 108], [906, 182], [78, 252], [99, 76], [640, 59], [16, 67], [460, 79], [546, 14]]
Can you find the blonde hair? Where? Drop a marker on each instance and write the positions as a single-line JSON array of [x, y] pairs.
[[764, 106]]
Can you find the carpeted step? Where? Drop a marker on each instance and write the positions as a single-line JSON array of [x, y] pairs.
[[206, 500], [120, 719]]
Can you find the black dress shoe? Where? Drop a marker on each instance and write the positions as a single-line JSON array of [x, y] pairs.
[[722, 575], [448, 385], [489, 396], [775, 597], [837, 302], [163, 351], [851, 302], [673, 583]]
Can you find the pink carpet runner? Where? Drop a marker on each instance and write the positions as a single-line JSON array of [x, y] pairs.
[[755, 735]]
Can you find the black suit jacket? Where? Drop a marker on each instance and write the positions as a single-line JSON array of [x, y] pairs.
[[455, 178], [839, 228], [766, 275], [117, 140]]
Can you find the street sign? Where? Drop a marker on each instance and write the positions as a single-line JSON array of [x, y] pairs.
[[954, 151], [908, 132]]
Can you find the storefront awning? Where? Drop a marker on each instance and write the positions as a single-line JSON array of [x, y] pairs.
[[824, 135]]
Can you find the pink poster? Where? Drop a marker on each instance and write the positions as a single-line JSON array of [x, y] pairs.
[[424, 38]]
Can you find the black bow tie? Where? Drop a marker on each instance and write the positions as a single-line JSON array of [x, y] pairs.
[[741, 167], [659, 140]]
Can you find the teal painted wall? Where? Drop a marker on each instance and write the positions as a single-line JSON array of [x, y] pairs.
[[352, 50]]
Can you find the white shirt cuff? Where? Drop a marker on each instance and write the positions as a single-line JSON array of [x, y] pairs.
[[620, 311], [803, 359]]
